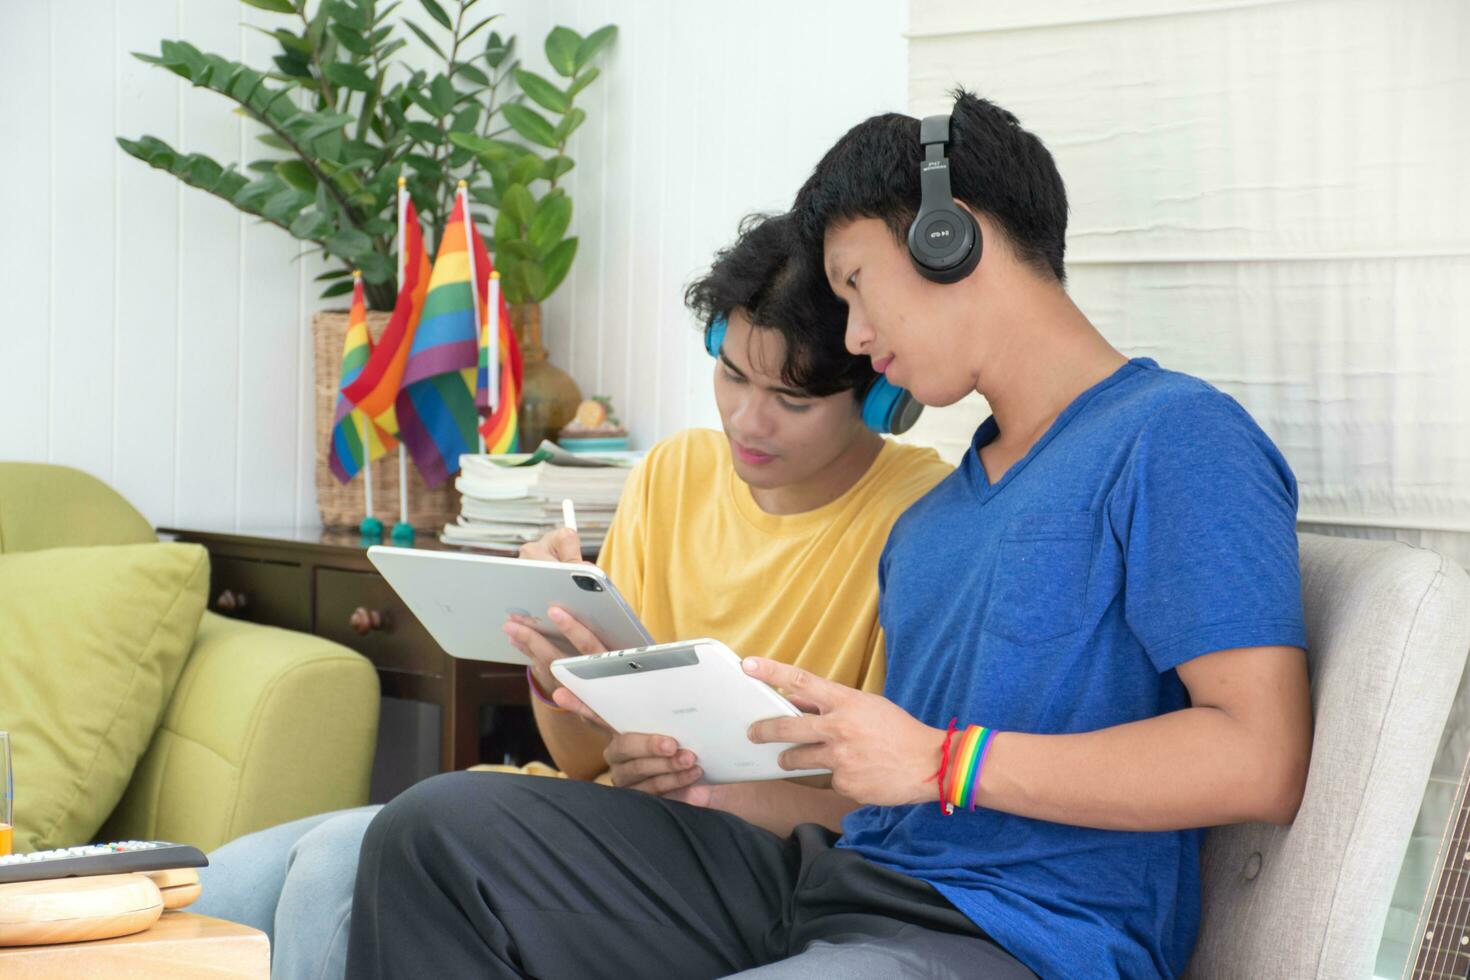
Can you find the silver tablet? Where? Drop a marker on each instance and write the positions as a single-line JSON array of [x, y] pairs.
[[463, 600], [694, 692]]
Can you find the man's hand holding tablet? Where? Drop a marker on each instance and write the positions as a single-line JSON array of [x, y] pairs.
[[654, 764]]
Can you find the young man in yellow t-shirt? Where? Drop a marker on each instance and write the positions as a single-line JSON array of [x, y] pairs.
[[765, 536]]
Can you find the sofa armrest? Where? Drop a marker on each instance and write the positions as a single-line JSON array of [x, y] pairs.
[[266, 725]]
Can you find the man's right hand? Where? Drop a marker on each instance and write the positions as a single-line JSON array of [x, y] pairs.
[[542, 652], [560, 545], [650, 763]]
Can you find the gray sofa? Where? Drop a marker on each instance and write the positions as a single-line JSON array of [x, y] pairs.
[[1389, 628]]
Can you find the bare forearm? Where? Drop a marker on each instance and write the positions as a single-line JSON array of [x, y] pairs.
[[1192, 768], [780, 805], [576, 746]]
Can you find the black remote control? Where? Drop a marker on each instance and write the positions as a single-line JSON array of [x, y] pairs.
[[118, 858]]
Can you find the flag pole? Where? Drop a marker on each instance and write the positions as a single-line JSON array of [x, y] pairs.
[[462, 198], [402, 531], [370, 528]]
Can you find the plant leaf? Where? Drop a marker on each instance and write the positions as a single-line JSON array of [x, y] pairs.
[[348, 243], [425, 132], [274, 6], [424, 36], [542, 92], [310, 225], [594, 43], [518, 203], [349, 14], [285, 204], [376, 268], [583, 80], [550, 222], [554, 168], [337, 289], [466, 119], [437, 12], [561, 50], [332, 274], [498, 49], [297, 174], [476, 29], [526, 169], [348, 76], [441, 90], [569, 124], [530, 124], [351, 40], [467, 70], [558, 263]]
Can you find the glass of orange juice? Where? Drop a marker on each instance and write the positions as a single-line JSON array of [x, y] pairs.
[[7, 793]]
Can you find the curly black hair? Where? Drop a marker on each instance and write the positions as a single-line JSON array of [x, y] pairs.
[[995, 166], [781, 287]]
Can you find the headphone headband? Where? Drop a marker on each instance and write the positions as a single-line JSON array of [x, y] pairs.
[[944, 240]]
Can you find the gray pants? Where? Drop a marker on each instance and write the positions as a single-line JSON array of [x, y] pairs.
[[495, 875], [293, 883]]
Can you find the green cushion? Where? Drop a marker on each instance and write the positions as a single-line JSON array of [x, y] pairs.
[[94, 640]]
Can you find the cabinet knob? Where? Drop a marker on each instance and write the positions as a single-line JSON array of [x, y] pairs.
[[230, 601], [364, 620]]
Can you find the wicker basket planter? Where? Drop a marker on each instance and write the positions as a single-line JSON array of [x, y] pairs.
[[341, 505]]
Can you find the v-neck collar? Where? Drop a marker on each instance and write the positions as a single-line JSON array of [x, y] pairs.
[[975, 467]]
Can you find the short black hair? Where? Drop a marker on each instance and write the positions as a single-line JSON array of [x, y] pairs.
[[781, 286], [995, 166]]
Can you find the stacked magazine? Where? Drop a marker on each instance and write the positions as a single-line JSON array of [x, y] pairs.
[[508, 500]]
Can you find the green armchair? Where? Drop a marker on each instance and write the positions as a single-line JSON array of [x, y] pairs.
[[264, 726]]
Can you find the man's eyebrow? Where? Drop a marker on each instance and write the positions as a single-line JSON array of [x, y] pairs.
[[788, 392], [729, 363]]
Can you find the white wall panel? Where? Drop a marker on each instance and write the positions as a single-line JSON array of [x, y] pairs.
[[155, 338], [25, 247], [1271, 195], [147, 247]]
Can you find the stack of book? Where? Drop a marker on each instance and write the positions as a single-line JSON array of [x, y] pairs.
[[509, 500]]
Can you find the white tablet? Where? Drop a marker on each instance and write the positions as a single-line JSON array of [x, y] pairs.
[[694, 692], [463, 600]]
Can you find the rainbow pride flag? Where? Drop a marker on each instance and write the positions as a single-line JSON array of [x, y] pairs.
[[436, 406], [375, 390], [347, 455], [499, 415]]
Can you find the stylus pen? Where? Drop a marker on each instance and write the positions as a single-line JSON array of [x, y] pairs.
[[568, 515]]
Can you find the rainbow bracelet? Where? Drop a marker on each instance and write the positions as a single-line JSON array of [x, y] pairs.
[[965, 765]]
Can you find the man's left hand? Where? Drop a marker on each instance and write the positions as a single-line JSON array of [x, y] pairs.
[[879, 754]]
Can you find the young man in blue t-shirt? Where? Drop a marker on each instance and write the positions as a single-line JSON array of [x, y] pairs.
[[1095, 647]]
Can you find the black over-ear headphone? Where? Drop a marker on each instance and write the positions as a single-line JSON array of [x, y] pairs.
[[944, 240]]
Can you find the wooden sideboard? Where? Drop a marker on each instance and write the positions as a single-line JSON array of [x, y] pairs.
[[319, 581]]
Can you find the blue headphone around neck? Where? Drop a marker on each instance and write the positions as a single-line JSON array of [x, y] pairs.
[[887, 408]]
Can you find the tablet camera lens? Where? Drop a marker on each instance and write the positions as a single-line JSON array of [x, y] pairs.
[[634, 665], [587, 583]]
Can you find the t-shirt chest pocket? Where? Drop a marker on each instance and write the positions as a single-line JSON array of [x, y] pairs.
[[1039, 588]]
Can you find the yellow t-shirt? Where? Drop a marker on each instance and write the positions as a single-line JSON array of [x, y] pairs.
[[695, 556]]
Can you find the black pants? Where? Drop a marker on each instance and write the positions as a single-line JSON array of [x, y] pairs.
[[490, 874]]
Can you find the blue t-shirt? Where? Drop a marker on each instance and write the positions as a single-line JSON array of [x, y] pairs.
[[1153, 523]]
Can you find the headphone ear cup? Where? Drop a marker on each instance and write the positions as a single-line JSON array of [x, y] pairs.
[[714, 335], [968, 246], [889, 409]]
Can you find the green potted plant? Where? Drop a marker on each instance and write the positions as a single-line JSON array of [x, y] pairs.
[[343, 117]]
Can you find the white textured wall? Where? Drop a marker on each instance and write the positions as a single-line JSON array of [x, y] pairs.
[[155, 338], [1271, 194]]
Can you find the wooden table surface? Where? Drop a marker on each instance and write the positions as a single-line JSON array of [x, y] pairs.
[[179, 945]]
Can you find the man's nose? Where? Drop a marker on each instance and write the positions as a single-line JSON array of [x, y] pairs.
[[859, 334]]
